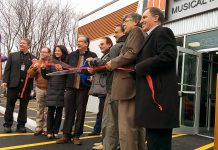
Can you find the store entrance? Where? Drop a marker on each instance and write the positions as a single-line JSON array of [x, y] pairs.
[[188, 70], [208, 93]]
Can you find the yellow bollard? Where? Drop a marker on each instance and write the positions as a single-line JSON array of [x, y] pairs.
[[216, 118]]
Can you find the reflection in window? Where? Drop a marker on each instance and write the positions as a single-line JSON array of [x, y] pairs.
[[188, 101], [189, 72], [180, 41], [202, 40]]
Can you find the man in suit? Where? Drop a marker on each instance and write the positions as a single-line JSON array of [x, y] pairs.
[[76, 95], [123, 87], [157, 100], [14, 77]]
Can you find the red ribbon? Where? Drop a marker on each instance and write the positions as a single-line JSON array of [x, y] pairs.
[[150, 83], [148, 78]]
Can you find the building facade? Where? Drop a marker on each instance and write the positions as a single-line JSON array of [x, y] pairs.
[[195, 25]]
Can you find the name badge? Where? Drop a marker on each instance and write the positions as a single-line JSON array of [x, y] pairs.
[[22, 67]]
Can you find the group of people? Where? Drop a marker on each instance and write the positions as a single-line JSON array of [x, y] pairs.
[[137, 89]]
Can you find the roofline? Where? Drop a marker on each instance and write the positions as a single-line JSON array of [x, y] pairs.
[[92, 12]]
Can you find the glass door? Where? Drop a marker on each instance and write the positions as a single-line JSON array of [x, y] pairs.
[[208, 93], [188, 71]]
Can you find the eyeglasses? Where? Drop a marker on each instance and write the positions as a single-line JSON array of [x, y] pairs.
[[43, 52], [127, 20]]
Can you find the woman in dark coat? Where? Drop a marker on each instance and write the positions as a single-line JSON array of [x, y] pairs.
[[55, 92]]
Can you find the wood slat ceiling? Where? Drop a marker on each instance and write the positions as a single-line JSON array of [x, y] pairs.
[[105, 26]]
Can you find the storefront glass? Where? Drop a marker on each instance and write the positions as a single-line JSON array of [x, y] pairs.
[[202, 41]]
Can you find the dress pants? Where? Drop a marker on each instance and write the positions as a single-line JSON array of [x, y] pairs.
[[110, 132], [131, 137], [97, 127], [75, 103], [54, 119], [12, 96], [42, 110], [159, 139]]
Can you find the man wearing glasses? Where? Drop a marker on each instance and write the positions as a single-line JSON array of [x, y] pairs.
[[41, 88], [130, 136], [14, 76]]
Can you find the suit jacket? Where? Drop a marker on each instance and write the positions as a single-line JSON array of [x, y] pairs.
[[12, 71], [158, 59], [123, 85]]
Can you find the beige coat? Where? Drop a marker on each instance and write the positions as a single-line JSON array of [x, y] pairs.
[[123, 85]]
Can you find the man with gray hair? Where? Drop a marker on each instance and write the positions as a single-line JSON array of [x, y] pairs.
[[130, 136], [14, 78], [157, 105]]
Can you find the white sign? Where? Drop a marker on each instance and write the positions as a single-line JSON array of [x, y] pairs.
[[182, 8]]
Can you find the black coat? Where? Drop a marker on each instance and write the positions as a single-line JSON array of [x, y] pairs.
[[72, 60], [158, 59], [12, 70], [56, 88]]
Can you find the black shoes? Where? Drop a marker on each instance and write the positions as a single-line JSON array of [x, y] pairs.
[[7, 129], [21, 129]]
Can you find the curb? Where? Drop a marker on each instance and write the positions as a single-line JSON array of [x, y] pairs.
[[31, 124]]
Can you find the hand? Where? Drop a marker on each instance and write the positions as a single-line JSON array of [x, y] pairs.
[[43, 66], [58, 67], [89, 60], [36, 65], [90, 79], [90, 70], [4, 85], [108, 66]]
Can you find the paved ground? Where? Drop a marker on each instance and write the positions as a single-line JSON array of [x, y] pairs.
[[28, 141]]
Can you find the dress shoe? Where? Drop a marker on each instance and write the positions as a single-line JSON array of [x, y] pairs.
[[56, 136], [93, 133], [76, 141], [50, 136], [37, 133], [63, 140], [99, 147], [21, 129], [7, 129], [96, 144], [45, 133]]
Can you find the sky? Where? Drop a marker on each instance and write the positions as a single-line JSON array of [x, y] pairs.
[[86, 6]]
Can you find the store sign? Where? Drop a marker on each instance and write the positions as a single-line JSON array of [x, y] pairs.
[[182, 8]]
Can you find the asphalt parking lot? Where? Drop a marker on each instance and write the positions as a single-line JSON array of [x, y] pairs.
[[28, 141]]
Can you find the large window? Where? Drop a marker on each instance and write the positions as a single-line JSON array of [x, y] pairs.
[[202, 41]]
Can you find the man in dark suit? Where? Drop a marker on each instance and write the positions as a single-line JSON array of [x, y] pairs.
[[14, 77], [157, 100], [123, 87], [76, 95]]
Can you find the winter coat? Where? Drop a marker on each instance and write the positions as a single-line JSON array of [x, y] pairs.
[[158, 59], [98, 87], [56, 87]]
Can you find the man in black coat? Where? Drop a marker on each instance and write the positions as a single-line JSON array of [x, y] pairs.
[[14, 77], [157, 100], [76, 95]]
